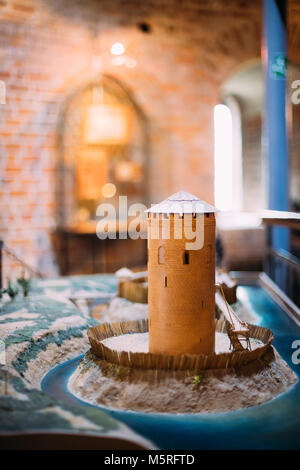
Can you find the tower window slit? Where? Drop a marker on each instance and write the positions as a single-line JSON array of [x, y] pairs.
[[186, 258], [166, 281]]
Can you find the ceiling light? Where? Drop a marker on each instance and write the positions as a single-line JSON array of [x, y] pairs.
[[117, 48]]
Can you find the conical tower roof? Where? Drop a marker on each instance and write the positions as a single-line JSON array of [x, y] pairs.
[[182, 202]]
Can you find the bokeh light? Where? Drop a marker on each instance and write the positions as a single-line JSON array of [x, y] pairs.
[[109, 190]]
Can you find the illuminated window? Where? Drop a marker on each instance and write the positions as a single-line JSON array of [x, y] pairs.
[[228, 156], [223, 157]]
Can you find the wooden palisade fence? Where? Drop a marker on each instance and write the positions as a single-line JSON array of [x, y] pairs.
[[177, 362]]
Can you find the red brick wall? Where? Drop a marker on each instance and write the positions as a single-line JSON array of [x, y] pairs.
[[45, 55]]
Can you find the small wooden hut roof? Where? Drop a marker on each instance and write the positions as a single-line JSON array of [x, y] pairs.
[[182, 202]]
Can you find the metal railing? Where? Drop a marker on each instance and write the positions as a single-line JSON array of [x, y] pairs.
[[281, 266], [289, 265]]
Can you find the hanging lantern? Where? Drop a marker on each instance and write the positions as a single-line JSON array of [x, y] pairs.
[[107, 125]]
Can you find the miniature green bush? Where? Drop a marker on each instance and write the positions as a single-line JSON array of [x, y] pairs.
[[197, 379], [25, 285], [11, 290]]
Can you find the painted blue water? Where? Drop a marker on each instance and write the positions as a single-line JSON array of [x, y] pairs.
[[273, 425]]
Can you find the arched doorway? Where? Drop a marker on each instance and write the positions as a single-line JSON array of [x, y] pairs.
[[102, 154]]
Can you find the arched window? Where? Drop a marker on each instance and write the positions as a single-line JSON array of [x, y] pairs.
[[161, 255], [239, 164], [223, 157]]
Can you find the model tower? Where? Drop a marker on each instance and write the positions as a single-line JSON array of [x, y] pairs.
[[181, 276]]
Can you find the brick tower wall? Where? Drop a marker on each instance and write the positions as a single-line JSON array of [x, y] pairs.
[[181, 291]]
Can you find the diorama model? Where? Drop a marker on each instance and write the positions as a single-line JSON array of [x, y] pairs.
[[181, 281], [192, 335], [189, 351], [181, 292]]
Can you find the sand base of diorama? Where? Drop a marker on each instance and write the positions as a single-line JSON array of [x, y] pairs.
[[209, 391], [139, 342]]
